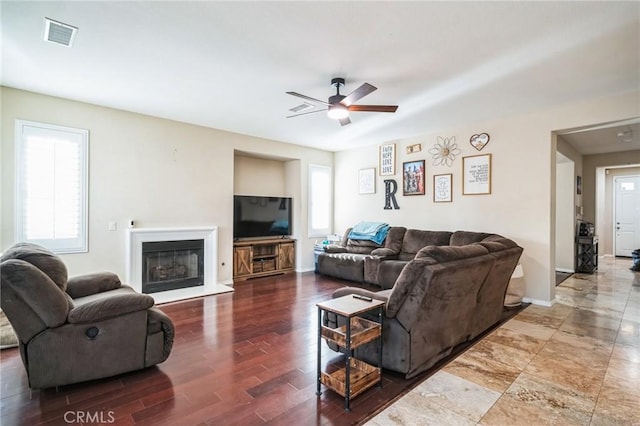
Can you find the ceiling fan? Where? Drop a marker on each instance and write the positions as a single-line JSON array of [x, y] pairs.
[[338, 106]]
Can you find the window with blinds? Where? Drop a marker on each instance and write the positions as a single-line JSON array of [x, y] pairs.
[[320, 200], [51, 192]]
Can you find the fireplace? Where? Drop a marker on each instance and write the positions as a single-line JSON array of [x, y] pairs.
[[170, 265], [173, 264]]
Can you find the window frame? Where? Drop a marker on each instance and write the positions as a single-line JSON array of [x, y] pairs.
[[56, 245], [319, 232]]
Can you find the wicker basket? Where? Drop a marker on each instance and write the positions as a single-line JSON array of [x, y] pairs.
[[362, 331], [362, 377]]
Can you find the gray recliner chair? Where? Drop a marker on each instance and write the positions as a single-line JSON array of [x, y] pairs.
[[78, 329]]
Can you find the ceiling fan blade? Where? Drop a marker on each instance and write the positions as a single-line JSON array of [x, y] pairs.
[[307, 98], [359, 93], [373, 108], [345, 121], [305, 113]]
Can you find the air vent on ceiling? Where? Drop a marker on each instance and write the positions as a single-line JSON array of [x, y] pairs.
[[57, 32], [301, 107], [625, 136]]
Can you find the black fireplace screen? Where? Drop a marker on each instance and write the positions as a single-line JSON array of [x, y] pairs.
[[171, 265]]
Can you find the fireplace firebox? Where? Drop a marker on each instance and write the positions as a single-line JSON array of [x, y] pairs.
[[171, 265]]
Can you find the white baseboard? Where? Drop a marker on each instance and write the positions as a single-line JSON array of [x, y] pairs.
[[545, 303], [568, 271], [306, 270]]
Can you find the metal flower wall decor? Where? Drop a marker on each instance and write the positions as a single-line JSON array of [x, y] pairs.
[[444, 151]]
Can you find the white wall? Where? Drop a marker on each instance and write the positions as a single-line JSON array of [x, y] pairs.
[[522, 203], [158, 172]]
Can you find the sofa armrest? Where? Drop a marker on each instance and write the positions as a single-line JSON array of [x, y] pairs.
[[158, 321], [335, 248], [85, 285], [384, 252], [345, 291], [109, 305]]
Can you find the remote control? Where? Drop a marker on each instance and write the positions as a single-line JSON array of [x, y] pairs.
[[357, 296]]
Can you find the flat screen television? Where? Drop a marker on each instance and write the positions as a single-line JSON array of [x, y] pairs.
[[255, 216]]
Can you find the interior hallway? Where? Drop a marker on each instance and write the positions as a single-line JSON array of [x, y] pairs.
[[576, 363]]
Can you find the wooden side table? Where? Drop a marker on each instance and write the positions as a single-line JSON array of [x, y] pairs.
[[356, 376]]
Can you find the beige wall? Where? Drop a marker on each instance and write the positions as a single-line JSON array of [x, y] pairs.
[[522, 203], [259, 176], [565, 216], [164, 173], [593, 162], [598, 191], [158, 172]]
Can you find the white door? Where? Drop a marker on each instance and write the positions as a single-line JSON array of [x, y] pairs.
[[627, 214]]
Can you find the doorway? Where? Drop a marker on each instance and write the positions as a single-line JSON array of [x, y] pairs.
[[626, 214]]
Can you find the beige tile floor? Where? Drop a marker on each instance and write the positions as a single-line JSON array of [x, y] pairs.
[[576, 363]]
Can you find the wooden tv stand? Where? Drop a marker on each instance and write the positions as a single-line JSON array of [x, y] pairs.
[[260, 258]]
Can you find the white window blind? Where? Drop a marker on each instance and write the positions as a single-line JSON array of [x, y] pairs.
[[51, 193], [320, 200]]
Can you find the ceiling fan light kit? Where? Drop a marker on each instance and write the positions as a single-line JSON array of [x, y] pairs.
[[337, 112], [338, 106]]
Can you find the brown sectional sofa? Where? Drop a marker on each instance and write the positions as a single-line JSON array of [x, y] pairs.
[[449, 292], [367, 262]]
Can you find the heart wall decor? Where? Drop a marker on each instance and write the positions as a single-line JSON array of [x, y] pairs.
[[479, 141]]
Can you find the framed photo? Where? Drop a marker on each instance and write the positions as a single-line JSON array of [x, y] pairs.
[[476, 174], [388, 159], [413, 178], [367, 181], [579, 185], [442, 188]]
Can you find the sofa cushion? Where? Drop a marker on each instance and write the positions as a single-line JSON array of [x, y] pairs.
[[461, 238], [395, 238], [408, 278], [42, 259], [443, 254], [389, 271], [361, 246], [415, 239], [31, 299]]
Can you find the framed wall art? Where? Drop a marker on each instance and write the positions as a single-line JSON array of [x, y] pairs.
[[367, 181], [442, 188], [388, 159], [579, 185], [476, 174], [413, 178]]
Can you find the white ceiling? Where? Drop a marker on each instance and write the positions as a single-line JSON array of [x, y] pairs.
[[228, 65], [611, 137]]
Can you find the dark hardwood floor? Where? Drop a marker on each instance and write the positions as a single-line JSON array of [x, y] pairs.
[[245, 358]]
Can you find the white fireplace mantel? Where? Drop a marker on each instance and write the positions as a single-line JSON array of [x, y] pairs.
[[133, 267]]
